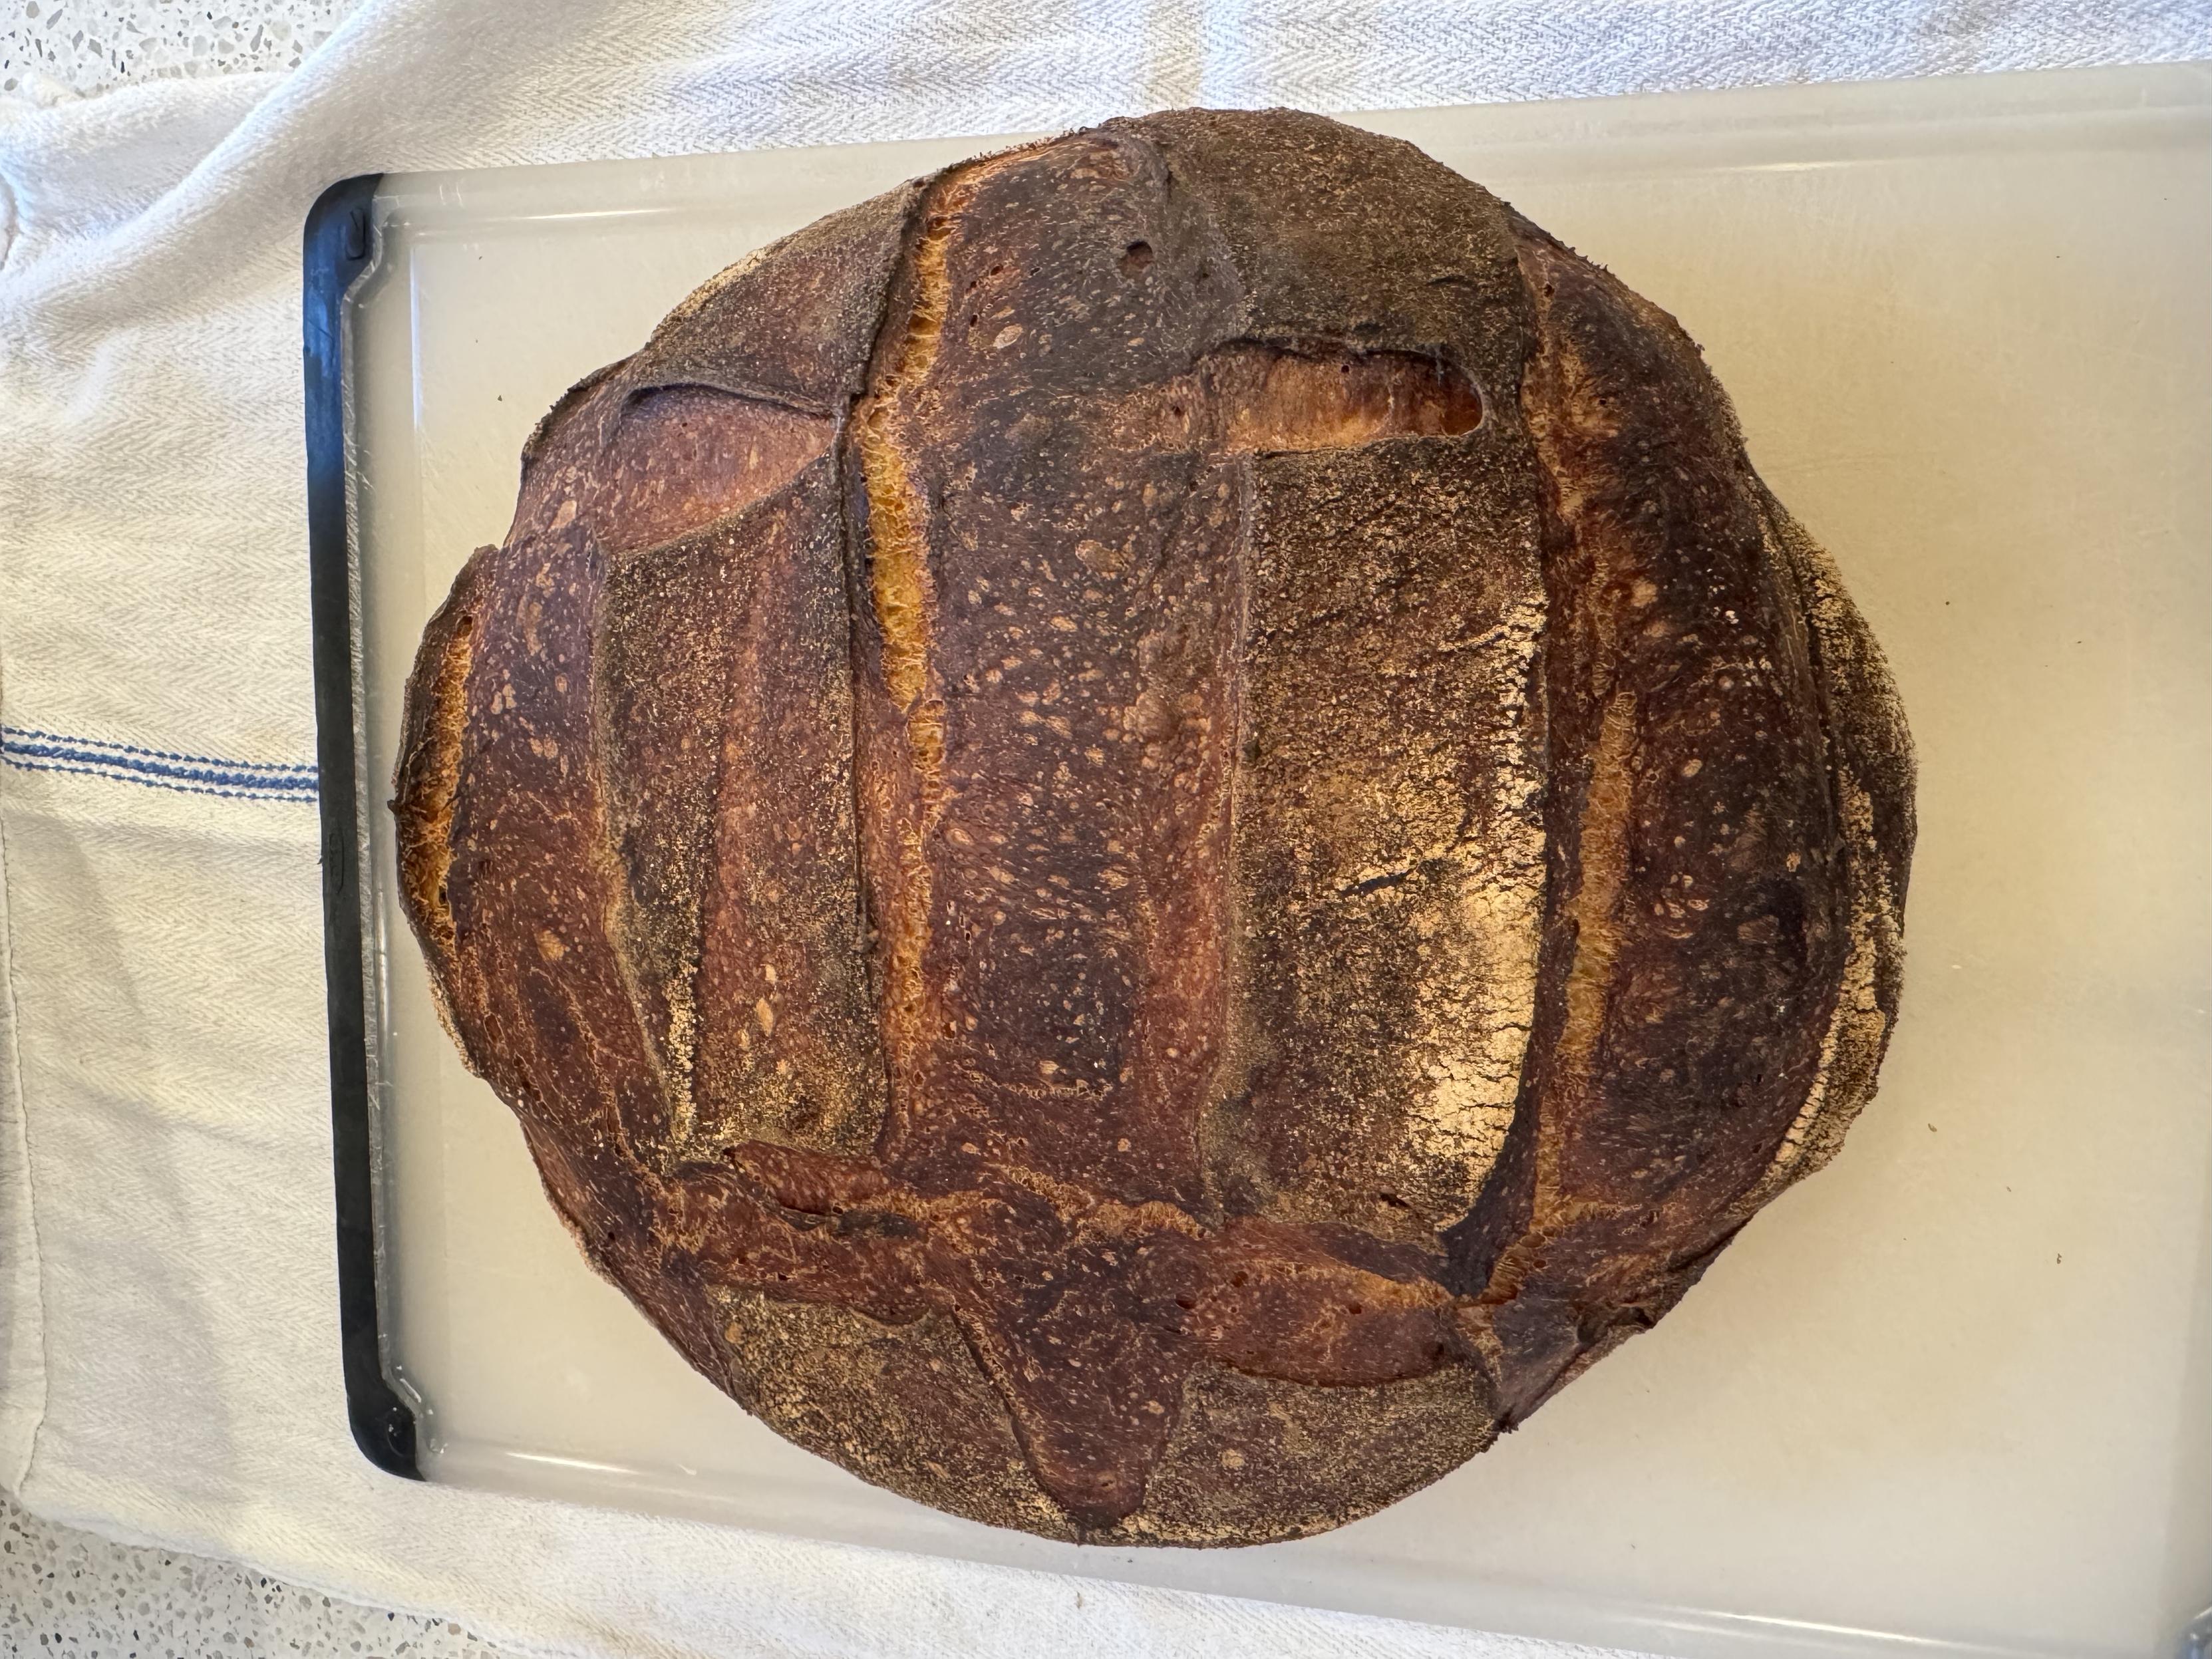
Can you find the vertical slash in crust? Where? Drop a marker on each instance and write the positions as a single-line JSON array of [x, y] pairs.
[[900, 585], [904, 600], [427, 782], [1604, 861], [433, 828]]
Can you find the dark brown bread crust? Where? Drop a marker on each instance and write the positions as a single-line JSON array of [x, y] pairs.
[[1150, 831]]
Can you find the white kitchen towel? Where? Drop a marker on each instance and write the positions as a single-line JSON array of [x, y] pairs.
[[168, 1360]]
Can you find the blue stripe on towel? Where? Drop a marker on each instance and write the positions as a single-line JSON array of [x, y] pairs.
[[34, 750], [8, 733]]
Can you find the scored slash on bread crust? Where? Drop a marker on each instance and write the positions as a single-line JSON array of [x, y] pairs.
[[1148, 832]]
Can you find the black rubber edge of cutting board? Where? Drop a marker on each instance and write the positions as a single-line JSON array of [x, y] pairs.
[[338, 243]]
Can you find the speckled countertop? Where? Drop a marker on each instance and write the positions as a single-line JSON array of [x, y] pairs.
[[68, 1592], [62, 1591], [87, 46]]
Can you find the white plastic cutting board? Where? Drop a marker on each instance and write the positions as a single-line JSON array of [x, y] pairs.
[[1956, 1388]]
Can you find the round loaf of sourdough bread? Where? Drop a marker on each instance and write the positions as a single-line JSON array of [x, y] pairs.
[[1149, 831]]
